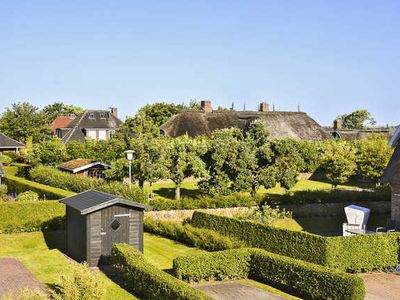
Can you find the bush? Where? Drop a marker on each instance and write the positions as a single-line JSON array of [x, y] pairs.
[[148, 281], [26, 294], [81, 284], [235, 200], [74, 183], [304, 279], [5, 160], [31, 216], [20, 185], [28, 196], [196, 237], [353, 253]]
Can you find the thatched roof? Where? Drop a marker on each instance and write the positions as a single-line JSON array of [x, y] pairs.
[[359, 134], [296, 125]]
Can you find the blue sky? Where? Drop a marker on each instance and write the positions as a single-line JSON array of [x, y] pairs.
[[331, 57]]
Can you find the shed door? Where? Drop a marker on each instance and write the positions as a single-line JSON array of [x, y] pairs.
[[114, 228]]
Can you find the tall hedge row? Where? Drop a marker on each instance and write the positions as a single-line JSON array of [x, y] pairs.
[[302, 278], [148, 281], [353, 253], [74, 183], [296, 244], [31, 216], [20, 185]]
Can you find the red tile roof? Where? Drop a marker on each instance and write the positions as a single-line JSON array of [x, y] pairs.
[[61, 122]]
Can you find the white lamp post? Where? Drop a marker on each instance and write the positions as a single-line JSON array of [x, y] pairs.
[[129, 156]]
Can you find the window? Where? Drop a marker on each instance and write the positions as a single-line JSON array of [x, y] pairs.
[[115, 225], [91, 134], [102, 135], [91, 116], [102, 116]]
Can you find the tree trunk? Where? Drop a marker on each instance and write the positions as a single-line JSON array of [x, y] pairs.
[[141, 183], [178, 192]]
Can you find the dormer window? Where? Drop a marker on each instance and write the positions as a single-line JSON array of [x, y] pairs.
[[108, 116], [91, 116], [102, 116]]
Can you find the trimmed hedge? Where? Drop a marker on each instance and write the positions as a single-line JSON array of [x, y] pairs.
[[20, 185], [304, 279], [78, 184], [235, 200], [296, 244], [353, 253], [31, 216], [196, 237], [148, 281]]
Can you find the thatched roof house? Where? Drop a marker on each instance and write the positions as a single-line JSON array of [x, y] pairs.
[[296, 125], [392, 176]]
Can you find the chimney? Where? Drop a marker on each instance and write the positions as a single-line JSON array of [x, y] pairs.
[[206, 106], [337, 124], [264, 107], [114, 111]]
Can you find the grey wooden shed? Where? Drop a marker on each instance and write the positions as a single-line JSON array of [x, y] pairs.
[[95, 221]]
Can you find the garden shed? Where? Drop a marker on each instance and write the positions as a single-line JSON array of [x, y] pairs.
[[95, 221]]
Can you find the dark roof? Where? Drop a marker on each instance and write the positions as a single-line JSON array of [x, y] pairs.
[[9, 143], [77, 165], [90, 119], [2, 171], [391, 174], [297, 125], [359, 134], [91, 200]]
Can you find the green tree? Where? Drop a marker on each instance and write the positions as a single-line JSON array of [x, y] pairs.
[[373, 156], [358, 119], [50, 152], [60, 109], [338, 161], [184, 160], [23, 120]]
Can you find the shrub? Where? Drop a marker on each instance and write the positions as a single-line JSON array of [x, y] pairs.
[[235, 200], [352, 253], [148, 281], [5, 159], [220, 265], [266, 214], [191, 236], [19, 185], [26, 294], [74, 183], [80, 285], [31, 216], [302, 278], [28, 196]]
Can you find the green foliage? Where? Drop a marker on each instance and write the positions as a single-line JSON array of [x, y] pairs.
[[73, 183], [50, 152], [28, 196], [159, 113], [358, 119], [310, 152], [338, 161], [31, 216], [353, 253], [23, 120], [219, 201], [20, 185], [57, 109], [82, 284], [26, 294], [184, 160], [148, 281], [304, 279], [3, 190], [5, 159], [373, 156], [296, 244], [229, 264], [191, 236], [266, 215]]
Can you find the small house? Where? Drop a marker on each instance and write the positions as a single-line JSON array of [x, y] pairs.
[[85, 167], [95, 221], [9, 144]]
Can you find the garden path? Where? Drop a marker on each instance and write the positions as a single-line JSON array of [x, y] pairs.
[[15, 277], [234, 290], [381, 286]]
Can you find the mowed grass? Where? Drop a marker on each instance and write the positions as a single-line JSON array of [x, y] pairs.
[[41, 254], [161, 251]]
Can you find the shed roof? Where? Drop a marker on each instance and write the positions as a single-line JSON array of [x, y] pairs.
[[77, 165], [9, 143], [297, 125], [92, 200]]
